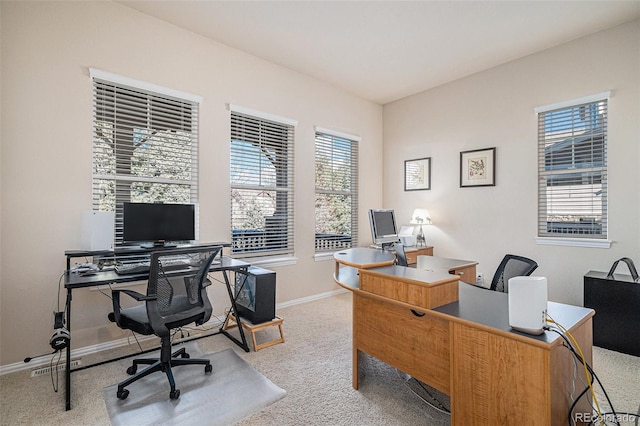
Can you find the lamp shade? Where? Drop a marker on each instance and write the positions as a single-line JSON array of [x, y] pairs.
[[420, 217]]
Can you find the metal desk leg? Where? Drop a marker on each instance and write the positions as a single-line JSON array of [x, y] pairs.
[[233, 310], [67, 373]]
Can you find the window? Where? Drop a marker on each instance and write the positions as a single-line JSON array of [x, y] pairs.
[[336, 192], [572, 169], [145, 145], [261, 184]]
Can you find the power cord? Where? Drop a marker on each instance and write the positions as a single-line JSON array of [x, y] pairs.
[[54, 383], [572, 344], [440, 408]]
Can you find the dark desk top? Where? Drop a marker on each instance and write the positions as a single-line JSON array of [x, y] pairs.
[[491, 308], [362, 257], [128, 250], [75, 280], [433, 262]]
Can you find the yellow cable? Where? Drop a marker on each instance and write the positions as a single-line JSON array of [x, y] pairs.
[[584, 364]]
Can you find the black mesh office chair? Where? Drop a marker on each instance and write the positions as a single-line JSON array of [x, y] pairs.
[[176, 296], [511, 266], [401, 257]]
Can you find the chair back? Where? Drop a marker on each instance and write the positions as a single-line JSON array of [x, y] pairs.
[[401, 257], [511, 266], [177, 285]]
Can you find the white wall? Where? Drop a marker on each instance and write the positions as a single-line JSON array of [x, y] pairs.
[[495, 109], [47, 48]]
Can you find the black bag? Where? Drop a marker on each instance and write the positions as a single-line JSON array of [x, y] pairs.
[[616, 300]]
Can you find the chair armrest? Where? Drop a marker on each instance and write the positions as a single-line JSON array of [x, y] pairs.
[[134, 294], [115, 299]]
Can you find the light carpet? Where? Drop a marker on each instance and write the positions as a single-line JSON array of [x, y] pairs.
[[233, 391]]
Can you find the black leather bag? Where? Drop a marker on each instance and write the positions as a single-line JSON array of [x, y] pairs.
[[616, 300]]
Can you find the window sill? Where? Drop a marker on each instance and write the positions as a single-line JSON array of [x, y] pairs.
[[319, 257], [271, 261], [574, 242]]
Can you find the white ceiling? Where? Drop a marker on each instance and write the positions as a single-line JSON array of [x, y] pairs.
[[385, 50]]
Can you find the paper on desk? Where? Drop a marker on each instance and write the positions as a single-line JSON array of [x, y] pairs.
[[405, 231]]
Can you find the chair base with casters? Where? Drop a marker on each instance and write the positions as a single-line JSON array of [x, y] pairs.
[[176, 297], [165, 363]]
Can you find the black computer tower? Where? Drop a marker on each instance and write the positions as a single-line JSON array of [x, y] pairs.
[[255, 291]]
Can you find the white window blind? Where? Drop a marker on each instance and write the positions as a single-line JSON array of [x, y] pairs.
[[262, 212], [572, 170], [336, 181], [145, 148]]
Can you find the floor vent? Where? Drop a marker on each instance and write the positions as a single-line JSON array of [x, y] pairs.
[[60, 367]]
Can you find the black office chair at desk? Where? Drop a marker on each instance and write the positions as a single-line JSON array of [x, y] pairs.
[[401, 257], [511, 266], [176, 296]]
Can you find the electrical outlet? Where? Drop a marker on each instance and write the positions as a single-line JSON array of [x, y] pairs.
[[480, 279]]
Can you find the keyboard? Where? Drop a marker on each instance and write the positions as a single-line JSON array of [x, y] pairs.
[[132, 268]]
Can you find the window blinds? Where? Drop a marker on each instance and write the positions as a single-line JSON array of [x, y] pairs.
[[262, 209], [145, 148], [572, 170], [336, 181]]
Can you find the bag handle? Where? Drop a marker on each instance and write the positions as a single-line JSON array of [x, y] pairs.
[[632, 268]]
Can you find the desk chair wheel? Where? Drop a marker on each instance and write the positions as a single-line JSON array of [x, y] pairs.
[[186, 355], [131, 371], [122, 394], [174, 394], [208, 368]]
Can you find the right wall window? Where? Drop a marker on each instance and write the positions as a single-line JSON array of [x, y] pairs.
[[572, 169]]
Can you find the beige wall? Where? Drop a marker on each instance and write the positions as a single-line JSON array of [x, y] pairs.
[[495, 109], [47, 48]]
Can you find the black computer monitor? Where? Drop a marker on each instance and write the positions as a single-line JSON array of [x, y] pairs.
[[156, 224], [383, 227]]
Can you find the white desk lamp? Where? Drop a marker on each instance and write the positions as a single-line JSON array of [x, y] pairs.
[[421, 217]]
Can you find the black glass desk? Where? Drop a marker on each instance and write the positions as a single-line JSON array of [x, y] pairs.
[[73, 281]]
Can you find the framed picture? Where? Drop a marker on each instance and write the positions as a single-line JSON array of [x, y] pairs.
[[417, 174], [478, 167]]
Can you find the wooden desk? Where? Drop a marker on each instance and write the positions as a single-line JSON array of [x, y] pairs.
[[414, 252], [467, 349], [466, 269]]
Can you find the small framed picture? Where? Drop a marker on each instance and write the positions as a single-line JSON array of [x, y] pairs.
[[478, 167], [417, 174]]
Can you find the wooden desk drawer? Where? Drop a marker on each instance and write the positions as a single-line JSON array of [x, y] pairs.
[[418, 346], [422, 294]]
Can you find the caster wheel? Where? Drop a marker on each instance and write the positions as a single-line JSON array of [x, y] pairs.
[[132, 370], [123, 394], [208, 368], [174, 394], [186, 355]]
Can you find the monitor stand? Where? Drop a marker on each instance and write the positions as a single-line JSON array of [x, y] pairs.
[[158, 244]]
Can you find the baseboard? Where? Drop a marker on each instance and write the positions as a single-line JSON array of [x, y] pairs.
[[114, 344]]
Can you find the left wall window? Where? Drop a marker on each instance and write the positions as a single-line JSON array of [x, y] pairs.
[[145, 145]]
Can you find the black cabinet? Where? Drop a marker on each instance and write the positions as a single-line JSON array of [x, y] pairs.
[[256, 294], [616, 300]]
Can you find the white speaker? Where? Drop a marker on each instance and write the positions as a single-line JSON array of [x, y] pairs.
[[97, 230], [528, 304]]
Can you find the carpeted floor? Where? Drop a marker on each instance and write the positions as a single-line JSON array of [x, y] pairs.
[[313, 366]]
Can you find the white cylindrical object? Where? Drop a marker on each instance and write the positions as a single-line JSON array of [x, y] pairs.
[[528, 304]]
